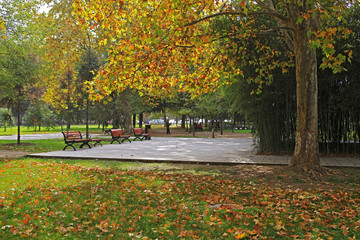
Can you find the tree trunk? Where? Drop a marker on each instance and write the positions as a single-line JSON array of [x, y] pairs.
[[306, 154], [164, 117], [141, 119], [18, 122], [87, 117], [134, 120], [127, 123], [221, 126], [183, 120], [233, 123]]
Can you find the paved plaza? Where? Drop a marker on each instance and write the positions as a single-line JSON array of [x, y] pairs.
[[187, 150]]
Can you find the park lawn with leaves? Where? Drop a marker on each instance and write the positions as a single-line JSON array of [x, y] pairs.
[[56, 199]]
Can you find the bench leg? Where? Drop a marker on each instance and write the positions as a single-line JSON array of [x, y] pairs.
[[115, 139], [98, 142], [69, 145], [126, 139], [137, 138], [85, 144]]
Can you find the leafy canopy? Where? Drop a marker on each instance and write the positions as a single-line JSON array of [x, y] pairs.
[[156, 45]]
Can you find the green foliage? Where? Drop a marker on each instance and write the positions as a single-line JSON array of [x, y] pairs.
[[213, 105], [273, 112], [39, 114], [88, 65], [6, 118], [339, 96], [18, 69], [19, 60]]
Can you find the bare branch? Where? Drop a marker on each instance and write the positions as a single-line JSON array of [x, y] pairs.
[[266, 7], [283, 26], [271, 13]]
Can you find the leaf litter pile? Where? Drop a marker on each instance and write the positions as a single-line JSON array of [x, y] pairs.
[[49, 200]]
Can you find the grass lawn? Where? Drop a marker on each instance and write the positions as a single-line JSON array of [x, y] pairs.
[[93, 128], [91, 199], [67, 199], [35, 146]]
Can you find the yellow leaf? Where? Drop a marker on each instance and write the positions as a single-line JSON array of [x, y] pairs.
[[279, 225], [240, 236]]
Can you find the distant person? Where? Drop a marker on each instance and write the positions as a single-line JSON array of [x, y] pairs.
[[200, 127]]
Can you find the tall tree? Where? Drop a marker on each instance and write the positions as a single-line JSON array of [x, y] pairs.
[[88, 66], [149, 41], [65, 46], [18, 64]]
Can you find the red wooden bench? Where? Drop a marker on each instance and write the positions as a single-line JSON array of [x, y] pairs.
[[73, 137], [117, 134], [139, 134]]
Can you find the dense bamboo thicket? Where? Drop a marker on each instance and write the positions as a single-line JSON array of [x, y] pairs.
[[339, 114], [273, 113]]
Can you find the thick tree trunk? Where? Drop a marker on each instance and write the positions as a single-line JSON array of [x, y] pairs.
[[306, 154]]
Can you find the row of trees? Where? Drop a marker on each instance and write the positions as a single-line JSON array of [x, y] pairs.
[[159, 53]]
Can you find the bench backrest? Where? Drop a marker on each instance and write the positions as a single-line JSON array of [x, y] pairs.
[[116, 132], [73, 135], [138, 131]]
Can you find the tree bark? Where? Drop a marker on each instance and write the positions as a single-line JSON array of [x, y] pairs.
[[18, 122], [134, 120], [87, 117], [183, 120], [164, 117], [141, 119], [306, 154]]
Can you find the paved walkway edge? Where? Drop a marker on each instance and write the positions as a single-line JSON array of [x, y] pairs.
[[186, 150], [255, 160]]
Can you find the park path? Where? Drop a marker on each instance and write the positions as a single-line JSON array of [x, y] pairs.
[[33, 136], [188, 150], [223, 151]]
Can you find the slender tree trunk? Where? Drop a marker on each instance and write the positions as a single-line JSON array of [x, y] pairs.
[[233, 123], [306, 154], [221, 126], [141, 119], [134, 120], [87, 117], [164, 117], [18, 122]]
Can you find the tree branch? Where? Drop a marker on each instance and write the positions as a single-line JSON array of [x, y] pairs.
[[271, 13]]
